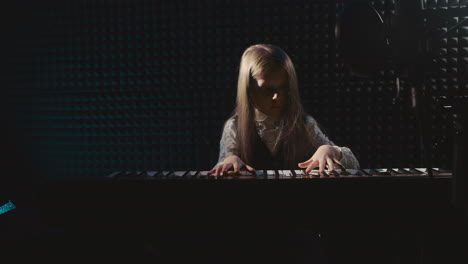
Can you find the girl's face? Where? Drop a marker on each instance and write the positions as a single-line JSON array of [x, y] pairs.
[[270, 91]]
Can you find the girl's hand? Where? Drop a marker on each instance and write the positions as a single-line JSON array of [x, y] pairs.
[[325, 155], [230, 162]]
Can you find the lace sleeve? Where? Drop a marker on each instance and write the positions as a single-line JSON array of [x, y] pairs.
[[318, 138], [228, 145]]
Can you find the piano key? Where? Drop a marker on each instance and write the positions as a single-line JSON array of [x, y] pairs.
[[423, 170], [343, 172], [354, 172], [191, 174], [393, 171], [281, 174], [165, 175], [372, 172], [140, 174], [366, 172], [151, 173], [440, 170], [271, 174], [114, 174], [229, 175], [383, 171], [236, 175], [400, 171], [413, 171], [179, 174], [260, 174], [405, 172], [288, 174], [245, 174], [129, 174], [203, 175], [299, 174], [314, 173]]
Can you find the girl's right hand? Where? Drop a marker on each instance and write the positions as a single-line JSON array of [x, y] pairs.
[[230, 162]]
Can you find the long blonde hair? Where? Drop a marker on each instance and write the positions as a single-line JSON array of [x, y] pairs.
[[259, 59]]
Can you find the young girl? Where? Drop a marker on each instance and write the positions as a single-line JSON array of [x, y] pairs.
[[269, 129]]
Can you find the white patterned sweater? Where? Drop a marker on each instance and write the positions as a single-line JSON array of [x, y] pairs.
[[269, 130]]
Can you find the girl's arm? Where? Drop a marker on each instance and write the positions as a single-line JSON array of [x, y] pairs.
[[229, 152], [344, 155]]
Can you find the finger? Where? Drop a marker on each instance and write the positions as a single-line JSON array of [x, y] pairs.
[[226, 168], [236, 167], [339, 164], [219, 169], [311, 166], [213, 170], [305, 163], [331, 165], [249, 168], [222, 169], [219, 172], [322, 166]]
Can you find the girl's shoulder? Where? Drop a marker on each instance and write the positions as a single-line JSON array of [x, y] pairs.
[[231, 122], [310, 121]]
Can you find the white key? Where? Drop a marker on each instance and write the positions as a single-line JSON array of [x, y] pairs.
[[112, 175], [203, 173], [151, 173], [381, 170], [281, 174], [314, 173], [299, 174], [179, 173], [271, 174], [288, 174], [165, 173], [191, 173]]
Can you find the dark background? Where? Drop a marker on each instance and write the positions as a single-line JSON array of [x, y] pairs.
[[91, 87]]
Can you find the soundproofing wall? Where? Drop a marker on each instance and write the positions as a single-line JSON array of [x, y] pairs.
[[91, 87]]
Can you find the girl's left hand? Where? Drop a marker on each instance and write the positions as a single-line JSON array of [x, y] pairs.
[[325, 155]]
